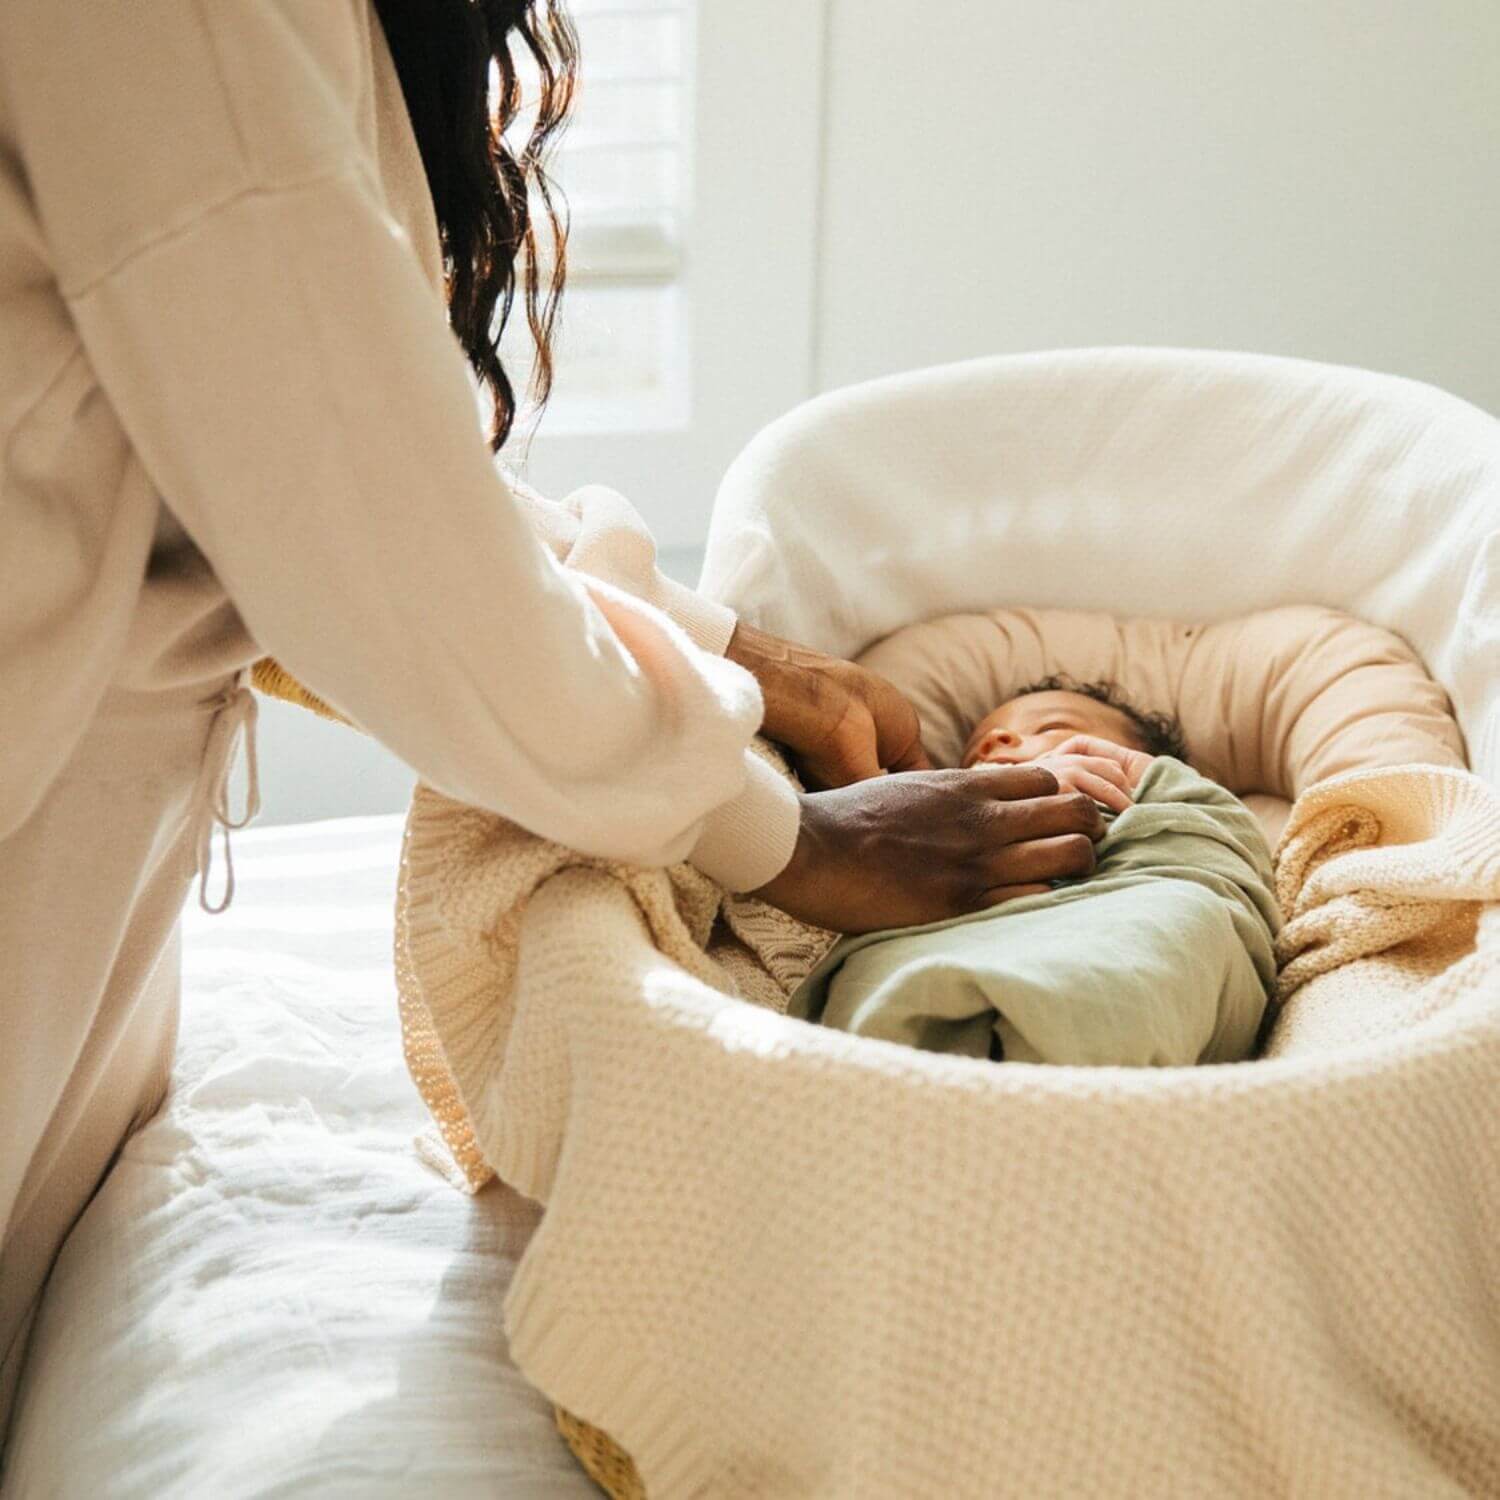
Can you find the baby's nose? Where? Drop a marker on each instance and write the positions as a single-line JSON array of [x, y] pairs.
[[998, 744]]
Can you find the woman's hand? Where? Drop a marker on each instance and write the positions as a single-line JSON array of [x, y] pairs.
[[839, 723], [904, 850]]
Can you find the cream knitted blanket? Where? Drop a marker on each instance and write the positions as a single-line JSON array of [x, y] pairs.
[[778, 1260]]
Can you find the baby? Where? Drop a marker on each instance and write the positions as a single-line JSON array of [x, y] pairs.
[[1048, 723], [1162, 957]]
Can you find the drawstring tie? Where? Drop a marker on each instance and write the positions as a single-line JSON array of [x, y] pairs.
[[235, 714]]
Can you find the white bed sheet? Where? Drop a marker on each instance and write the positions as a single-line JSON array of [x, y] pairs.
[[271, 1295]]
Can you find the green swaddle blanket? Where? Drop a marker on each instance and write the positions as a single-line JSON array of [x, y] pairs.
[[1162, 957]]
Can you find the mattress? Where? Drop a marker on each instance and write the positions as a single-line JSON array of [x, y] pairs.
[[271, 1295]]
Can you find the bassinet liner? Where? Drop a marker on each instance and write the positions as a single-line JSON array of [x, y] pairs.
[[761, 1238]]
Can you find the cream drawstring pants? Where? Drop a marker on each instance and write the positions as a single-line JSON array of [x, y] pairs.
[[91, 889]]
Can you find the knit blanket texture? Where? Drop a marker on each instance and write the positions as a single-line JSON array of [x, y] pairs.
[[779, 1260]]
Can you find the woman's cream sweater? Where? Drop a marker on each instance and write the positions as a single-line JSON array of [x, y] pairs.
[[233, 421]]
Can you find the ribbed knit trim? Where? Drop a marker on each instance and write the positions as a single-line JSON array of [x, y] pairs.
[[1441, 841], [1375, 859], [434, 970], [708, 625], [596, 1373], [456, 948], [749, 840]]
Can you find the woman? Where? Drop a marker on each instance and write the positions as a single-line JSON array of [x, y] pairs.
[[235, 421]]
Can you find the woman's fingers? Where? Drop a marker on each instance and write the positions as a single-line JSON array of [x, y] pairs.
[[1068, 856], [840, 722], [898, 730], [915, 759], [1010, 783], [1003, 893], [898, 851], [1042, 817]]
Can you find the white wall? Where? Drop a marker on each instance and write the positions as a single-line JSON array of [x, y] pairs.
[[1309, 177]]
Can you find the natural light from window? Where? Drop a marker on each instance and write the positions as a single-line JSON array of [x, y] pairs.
[[623, 165]]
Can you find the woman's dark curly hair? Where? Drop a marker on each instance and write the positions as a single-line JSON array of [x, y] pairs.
[[445, 52], [1161, 734]]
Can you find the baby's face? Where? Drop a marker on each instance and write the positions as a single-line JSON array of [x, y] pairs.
[[1029, 726]]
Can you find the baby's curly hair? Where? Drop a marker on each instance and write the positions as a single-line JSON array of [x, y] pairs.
[[1161, 734]]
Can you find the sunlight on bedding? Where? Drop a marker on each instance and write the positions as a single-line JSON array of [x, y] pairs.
[[271, 1295]]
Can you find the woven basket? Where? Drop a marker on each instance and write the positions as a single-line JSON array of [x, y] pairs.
[[272, 679], [603, 1460]]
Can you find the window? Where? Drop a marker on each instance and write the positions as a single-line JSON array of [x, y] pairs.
[[691, 167], [621, 347]]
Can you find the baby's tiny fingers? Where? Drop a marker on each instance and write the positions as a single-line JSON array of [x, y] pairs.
[[1103, 791], [1096, 765], [1133, 762], [1088, 744]]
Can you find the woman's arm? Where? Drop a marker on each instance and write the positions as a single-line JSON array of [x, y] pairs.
[[286, 379], [285, 374]]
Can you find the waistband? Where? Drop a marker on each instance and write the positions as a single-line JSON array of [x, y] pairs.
[[172, 746], [167, 706], [167, 727]]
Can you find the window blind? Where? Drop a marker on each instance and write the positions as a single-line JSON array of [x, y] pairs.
[[622, 165], [621, 162]]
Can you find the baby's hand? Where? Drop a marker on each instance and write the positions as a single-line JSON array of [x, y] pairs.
[[1098, 768]]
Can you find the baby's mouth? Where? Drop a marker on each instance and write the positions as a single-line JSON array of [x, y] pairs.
[[1000, 758]]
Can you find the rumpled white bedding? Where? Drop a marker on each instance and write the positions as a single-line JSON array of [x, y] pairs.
[[271, 1296]]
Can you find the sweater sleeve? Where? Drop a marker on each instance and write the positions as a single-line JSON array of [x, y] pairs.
[[749, 839], [599, 532], [286, 378]]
